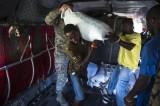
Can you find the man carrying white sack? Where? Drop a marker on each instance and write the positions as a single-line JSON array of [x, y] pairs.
[[91, 29]]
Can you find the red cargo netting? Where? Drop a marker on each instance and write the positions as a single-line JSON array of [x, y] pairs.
[[24, 60]]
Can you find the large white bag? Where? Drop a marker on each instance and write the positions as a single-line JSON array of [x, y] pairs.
[[91, 29]]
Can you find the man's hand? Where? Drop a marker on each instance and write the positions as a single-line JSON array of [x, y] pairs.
[[95, 44], [82, 65], [64, 7], [112, 37], [129, 101]]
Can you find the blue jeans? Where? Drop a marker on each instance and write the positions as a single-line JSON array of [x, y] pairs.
[[113, 81], [121, 82], [79, 94], [92, 69]]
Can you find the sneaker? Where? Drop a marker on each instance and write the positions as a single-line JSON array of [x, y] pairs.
[[106, 98], [61, 100]]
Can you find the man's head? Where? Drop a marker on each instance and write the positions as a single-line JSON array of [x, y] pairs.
[[72, 32], [153, 19], [127, 26]]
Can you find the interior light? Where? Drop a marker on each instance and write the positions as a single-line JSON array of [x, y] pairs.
[[137, 25]]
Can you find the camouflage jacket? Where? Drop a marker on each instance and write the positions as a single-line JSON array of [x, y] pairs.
[[155, 95], [60, 39]]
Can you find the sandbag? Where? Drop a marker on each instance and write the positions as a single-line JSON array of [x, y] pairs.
[[91, 29]]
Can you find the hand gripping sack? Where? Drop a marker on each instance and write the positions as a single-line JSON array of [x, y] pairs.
[[91, 29]]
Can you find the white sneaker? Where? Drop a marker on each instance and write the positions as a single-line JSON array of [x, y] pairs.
[[61, 100]]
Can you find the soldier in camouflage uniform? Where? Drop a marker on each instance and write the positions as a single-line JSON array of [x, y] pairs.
[[61, 60], [155, 96]]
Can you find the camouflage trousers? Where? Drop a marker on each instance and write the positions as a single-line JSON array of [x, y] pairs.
[[61, 64]]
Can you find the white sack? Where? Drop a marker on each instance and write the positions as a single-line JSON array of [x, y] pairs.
[[91, 29], [100, 77]]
